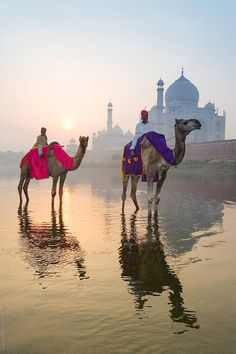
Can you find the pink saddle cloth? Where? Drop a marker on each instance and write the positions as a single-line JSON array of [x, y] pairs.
[[38, 166]]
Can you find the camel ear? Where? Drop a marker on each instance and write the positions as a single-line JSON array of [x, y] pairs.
[[87, 138]]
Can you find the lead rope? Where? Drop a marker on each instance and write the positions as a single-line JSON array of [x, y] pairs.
[[170, 138]]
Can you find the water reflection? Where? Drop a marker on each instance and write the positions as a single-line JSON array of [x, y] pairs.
[[145, 267], [186, 219], [49, 246]]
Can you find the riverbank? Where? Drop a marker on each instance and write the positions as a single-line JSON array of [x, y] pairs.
[[188, 166], [206, 166]]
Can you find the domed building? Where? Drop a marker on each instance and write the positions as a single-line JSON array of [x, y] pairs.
[[72, 147], [181, 102], [183, 92], [112, 138]]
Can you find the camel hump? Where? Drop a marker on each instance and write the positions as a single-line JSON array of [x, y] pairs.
[[54, 142], [51, 149]]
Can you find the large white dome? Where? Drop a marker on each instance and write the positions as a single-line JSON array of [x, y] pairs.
[[183, 91]]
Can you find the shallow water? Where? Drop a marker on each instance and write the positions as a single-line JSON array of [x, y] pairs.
[[85, 279]]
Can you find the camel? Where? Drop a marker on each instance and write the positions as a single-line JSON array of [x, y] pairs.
[[55, 170], [154, 163]]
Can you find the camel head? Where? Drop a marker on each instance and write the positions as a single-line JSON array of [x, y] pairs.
[[83, 141], [185, 126]]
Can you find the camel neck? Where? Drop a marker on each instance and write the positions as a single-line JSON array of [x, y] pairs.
[[79, 157], [179, 149]]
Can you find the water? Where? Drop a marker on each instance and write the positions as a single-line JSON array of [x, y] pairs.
[[85, 279]]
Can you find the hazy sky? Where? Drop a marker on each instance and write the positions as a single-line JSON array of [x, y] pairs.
[[62, 61]]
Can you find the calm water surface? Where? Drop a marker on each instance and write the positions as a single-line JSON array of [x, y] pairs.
[[85, 279]]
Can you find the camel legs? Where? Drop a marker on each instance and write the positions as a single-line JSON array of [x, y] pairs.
[[158, 190], [54, 187], [134, 183], [62, 180], [20, 186], [150, 195], [125, 185], [25, 188], [23, 184]]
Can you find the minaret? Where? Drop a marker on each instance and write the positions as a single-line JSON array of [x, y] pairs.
[[109, 117], [160, 95]]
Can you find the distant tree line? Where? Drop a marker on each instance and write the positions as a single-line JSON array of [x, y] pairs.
[[10, 158]]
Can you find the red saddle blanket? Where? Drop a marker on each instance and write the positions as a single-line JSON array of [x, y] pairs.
[[38, 166]]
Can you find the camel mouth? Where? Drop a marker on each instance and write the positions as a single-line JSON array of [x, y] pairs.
[[198, 126]]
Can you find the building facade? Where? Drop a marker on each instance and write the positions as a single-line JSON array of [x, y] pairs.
[[111, 138], [181, 102], [72, 147]]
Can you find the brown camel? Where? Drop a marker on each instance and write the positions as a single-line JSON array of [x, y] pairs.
[[55, 170], [154, 163]]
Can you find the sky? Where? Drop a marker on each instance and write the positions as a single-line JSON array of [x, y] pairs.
[[63, 61]]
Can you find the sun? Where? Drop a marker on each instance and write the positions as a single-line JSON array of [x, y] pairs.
[[68, 123]]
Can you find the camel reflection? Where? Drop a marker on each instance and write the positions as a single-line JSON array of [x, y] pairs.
[[49, 246], [145, 266]]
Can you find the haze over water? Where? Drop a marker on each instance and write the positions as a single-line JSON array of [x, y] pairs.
[[86, 279]]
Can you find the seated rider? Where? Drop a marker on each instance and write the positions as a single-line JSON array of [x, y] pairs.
[[141, 128], [42, 140]]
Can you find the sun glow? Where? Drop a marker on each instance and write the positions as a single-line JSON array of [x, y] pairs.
[[68, 123]]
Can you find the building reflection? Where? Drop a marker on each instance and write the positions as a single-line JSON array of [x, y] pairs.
[[145, 267], [48, 246], [188, 218]]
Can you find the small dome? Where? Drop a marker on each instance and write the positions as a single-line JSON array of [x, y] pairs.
[[128, 134], [72, 141], [154, 108], [184, 91], [160, 82], [117, 130], [109, 105], [210, 106]]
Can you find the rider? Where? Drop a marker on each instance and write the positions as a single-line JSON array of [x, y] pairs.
[[141, 128], [42, 140]]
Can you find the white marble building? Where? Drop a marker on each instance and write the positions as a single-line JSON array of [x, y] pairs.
[[112, 138], [72, 147], [181, 101]]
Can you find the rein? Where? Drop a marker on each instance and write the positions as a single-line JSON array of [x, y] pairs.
[[170, 138]]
